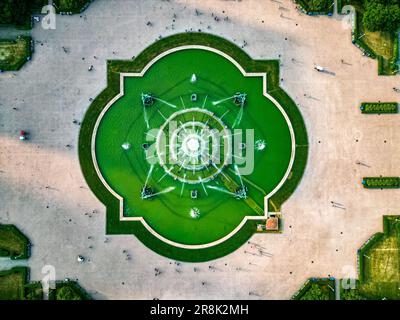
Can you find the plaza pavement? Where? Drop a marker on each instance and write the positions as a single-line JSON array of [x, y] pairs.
[[43, 192]]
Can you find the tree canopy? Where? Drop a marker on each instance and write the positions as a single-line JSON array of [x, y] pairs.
[[67, 293], [315, 292], [382, 15], [17, 12]]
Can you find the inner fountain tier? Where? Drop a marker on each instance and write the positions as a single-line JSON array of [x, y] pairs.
[[194, 145]]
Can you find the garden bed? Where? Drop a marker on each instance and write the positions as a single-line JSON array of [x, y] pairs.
[[382, 46], [15, 53], [13, 243], [12, 283]]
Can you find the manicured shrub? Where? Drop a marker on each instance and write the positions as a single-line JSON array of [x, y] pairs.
[[381, 182], [395, 55], [379, 107]]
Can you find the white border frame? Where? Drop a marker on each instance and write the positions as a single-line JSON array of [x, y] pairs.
[[141, 219]]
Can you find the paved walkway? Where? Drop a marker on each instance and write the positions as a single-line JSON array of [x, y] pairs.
[[6, 264], [12, 33], [43, 192]]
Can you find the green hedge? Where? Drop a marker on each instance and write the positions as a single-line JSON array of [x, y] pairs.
[[379, 107], [113, 224], [381, 182], [12, 233]]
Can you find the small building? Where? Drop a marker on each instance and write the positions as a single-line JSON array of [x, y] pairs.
[[272, 224]]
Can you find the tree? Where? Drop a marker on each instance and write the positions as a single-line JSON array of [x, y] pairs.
[[6, 13], [67, 293], [318, 5], [21, 11], [382, 15], [70, 5], [315, 293], [352, 294]]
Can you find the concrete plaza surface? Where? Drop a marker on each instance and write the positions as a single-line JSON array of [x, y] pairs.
[[43, 192]]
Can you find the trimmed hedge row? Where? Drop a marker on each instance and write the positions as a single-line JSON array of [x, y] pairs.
[[113, 224], [394, 62], [23, 240], [381, 182], [379, 107]]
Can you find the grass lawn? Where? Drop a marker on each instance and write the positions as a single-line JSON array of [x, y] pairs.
[[382, 44], [12, 284], [13, 243], [14, 53], [381, 264]]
